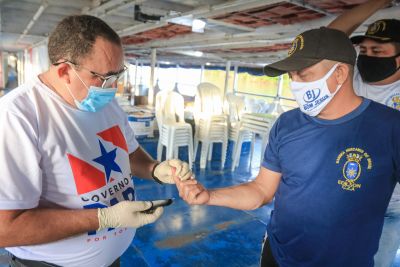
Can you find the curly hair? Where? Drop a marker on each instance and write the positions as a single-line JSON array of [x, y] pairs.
[[74, 36]]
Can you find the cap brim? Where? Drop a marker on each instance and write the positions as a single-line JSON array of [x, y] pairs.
[[289, 64], [358, 39]]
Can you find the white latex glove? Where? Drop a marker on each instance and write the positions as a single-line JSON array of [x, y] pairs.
[[127, 214], [165, 170]]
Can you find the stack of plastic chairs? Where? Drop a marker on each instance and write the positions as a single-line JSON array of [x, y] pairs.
[[276, 108], [254, 121], [211, 122], [174, 131], [235, 107], [256, 105]]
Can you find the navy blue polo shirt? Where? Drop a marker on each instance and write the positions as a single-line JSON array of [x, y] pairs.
[[337, 180]]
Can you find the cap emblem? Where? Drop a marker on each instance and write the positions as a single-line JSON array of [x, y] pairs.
[[377, 26], [297, 44]]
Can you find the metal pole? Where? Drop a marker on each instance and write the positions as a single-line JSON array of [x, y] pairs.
[[153, 66], [235, 79], [157, 76], [228, 68], [280, 87], [135, 83], [202, 73], [177, 77]]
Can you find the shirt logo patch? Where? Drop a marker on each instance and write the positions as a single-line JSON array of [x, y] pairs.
[[102, 181], [394, 101], [87, 177], [352, 159]]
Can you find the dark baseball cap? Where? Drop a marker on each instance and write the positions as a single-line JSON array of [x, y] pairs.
[[312, 46], [384, 30]]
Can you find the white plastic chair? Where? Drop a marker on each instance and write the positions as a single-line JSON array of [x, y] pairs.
[[235, 107], [276, 108], [174, 131], [211, 123], [256, 105], [256, 123]]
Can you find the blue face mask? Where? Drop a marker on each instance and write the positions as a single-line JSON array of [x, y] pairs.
[[96, 99]]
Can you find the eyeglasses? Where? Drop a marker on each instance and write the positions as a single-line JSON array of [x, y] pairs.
[[107, 80]]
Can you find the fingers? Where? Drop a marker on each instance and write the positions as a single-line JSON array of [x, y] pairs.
[[185, 175], [190, 190], [137, 205], [177, 164], [126, 214], [176, 180], [185, 172], [182, 169], [152, 217], [181, 184]]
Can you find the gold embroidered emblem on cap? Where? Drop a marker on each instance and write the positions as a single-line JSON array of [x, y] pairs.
[[377, 26], [297, 44]]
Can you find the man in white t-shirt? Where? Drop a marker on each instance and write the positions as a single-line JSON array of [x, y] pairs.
[[68, 154], [377, 77]]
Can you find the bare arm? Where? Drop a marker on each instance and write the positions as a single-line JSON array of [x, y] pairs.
[[38, 226], [245, 196], [350, 20], [142, 163], [250, 195]]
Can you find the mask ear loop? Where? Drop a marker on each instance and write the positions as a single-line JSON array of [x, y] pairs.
[[87, 88], [69, 89], [337, 89], [330, 72]]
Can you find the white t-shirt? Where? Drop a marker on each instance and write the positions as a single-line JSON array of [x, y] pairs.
[[55, 155], [388, 95]]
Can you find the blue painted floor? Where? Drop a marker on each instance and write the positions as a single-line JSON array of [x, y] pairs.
[[198, 235]]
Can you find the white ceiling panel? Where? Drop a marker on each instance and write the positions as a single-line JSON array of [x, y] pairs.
[[226, 30]]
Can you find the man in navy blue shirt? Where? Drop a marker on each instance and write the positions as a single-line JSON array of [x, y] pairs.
[[331, 164], [377, 77]]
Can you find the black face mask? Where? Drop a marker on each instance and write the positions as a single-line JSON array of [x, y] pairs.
[[375, 69]]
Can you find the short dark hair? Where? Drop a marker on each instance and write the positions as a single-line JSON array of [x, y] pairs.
[[74, 36]]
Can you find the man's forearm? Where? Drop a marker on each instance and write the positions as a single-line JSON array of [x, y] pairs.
[[349, 21], [142, 163], [243, 197], [38, 226]]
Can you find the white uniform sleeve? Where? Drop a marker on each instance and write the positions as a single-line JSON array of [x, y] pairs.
[[20, 172]]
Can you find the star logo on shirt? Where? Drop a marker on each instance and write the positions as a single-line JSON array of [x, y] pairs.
[[352, 170], [107, 159]]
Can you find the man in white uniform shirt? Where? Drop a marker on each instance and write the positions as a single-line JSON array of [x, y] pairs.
[[377, 77], [68, 154]]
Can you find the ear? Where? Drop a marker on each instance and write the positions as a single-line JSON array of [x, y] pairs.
[[62, 71], [342, 73]]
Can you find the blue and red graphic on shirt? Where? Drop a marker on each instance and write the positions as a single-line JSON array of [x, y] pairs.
[[89, 178]]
